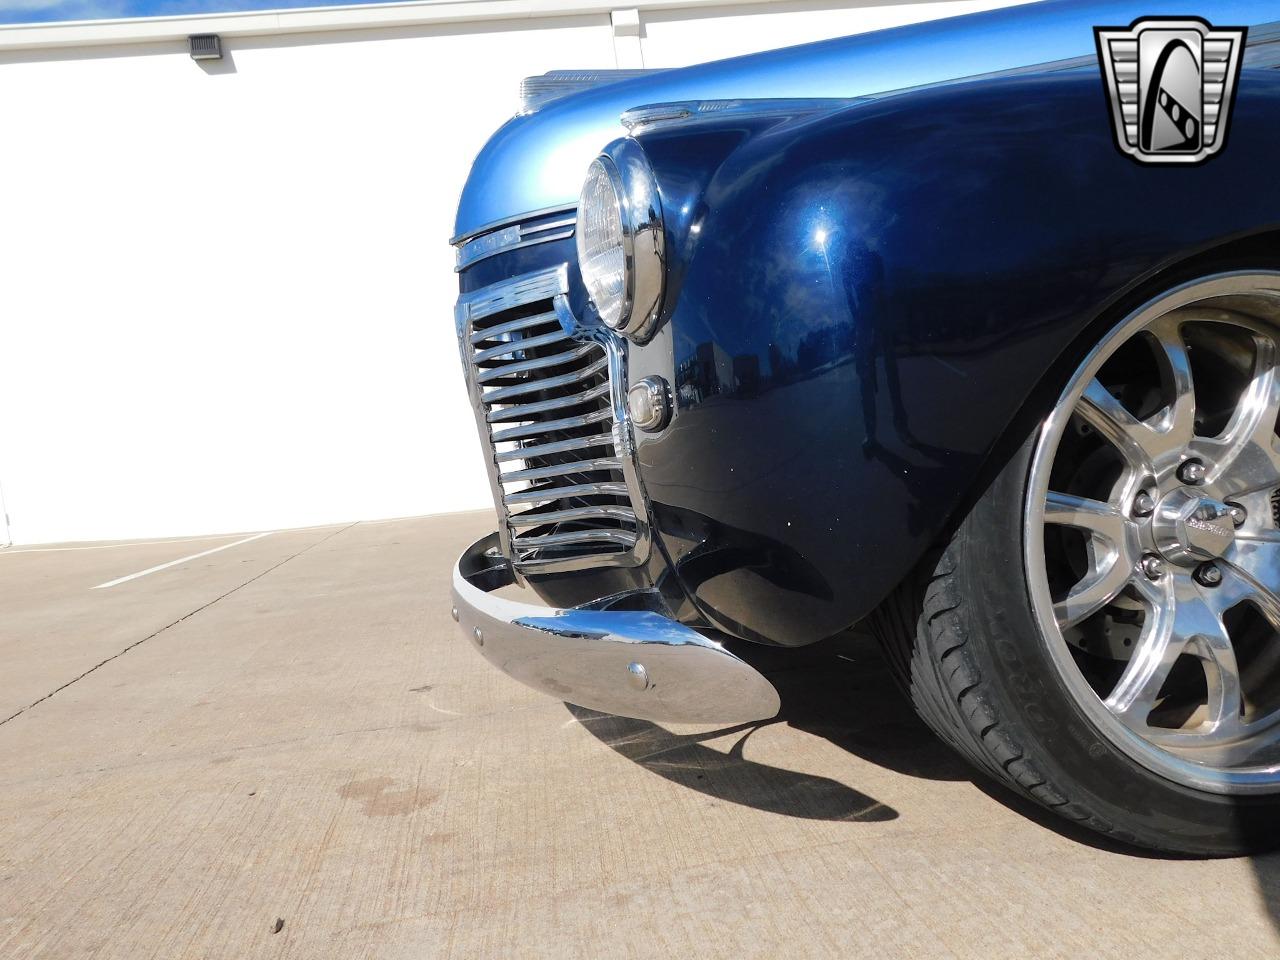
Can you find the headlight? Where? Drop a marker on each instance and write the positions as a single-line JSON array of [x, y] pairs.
[[620, 240], [602, 255]]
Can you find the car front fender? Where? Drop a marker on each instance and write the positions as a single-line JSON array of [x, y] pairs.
[[868, 302]]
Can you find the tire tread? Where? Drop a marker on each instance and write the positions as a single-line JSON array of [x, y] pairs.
[[935, 668]]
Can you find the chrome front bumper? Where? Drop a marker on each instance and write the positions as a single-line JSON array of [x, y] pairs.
[[627, 662]]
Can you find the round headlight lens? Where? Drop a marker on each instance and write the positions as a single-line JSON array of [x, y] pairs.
[[602, 256]]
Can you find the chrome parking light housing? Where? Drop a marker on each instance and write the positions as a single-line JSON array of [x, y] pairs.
[[620, 240], [648, 404]]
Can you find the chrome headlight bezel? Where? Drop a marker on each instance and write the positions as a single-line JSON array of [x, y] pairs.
[[643, 240]]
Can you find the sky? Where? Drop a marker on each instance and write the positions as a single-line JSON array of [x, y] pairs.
[[47, 11]]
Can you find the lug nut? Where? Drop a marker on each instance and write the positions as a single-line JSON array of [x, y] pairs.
[[1238, 514], [1143, 505], [1208, 575], [1191, 472], [1152, 566]]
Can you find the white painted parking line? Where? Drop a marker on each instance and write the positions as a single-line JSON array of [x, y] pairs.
[[14, 551], [174, 563]]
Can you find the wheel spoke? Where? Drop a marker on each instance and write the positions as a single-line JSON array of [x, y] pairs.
[[1095, 591], [1216, 651], [1183, 619], [1178, 422], [1110, 557], [1069, 510], [1234, 589], [1245, 457], [1222, 674], [1156, 651], [1257, 567], [1107, 415]]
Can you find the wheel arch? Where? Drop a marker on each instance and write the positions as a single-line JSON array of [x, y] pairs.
[[1253, 250]]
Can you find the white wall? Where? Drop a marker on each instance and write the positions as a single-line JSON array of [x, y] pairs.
[[227, 292]]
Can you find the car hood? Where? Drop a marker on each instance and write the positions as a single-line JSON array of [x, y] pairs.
[[537, 161]]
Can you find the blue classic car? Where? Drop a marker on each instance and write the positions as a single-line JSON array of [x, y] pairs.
[[966, 332]]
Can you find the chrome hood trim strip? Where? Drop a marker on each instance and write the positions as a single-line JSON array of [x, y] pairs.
[[514, 236]]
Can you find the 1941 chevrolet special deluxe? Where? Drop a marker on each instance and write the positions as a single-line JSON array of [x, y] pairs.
[[967, 332]]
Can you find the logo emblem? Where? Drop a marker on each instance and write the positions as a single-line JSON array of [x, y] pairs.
[[1170, 84]]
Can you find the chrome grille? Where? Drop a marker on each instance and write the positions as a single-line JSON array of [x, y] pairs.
[[547, 395]]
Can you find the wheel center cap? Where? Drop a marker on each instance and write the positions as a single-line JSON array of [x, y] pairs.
[[1189, 528]]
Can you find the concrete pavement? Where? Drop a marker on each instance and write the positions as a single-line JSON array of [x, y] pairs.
[[288, 733]]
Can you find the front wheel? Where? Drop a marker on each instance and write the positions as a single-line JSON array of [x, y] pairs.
[[1102, 631]]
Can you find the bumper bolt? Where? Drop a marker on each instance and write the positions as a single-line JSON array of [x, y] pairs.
[[1143, 505], [1152, 566], [637, 676], [1208, 575], [1238, 514], [1191, 472]]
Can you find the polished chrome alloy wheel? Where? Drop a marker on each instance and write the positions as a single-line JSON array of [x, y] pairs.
[[1152, 535]]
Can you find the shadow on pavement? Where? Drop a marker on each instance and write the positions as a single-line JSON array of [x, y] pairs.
[[840, 690], [837, 691], [683, 759]]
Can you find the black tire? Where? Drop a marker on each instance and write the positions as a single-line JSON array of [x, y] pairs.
[[964, 642]]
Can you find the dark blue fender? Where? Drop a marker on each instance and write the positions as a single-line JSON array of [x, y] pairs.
[[867, 306]]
